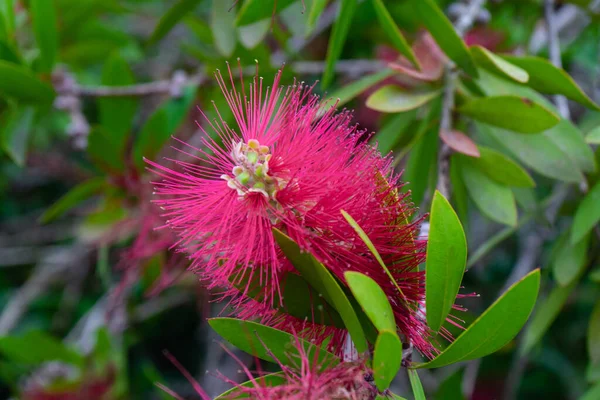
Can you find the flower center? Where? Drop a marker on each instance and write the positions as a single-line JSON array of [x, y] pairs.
[[251, 170]]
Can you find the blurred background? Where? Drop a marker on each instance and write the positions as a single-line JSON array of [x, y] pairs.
[[91, 294]]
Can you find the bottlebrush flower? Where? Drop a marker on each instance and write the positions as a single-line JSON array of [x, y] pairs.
[[293, 164]]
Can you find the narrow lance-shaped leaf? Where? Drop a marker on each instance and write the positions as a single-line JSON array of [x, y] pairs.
[[444, 34], [494, 63], [73, 197], [20, 84], [416, 385], [498, 325], [392, 31], [321, 279], [315, 11], [372, 299], [15, 129], [222, 24], [510, 112], [350, 91], [387, 358], [502, 169], [175, 14], [252, 338], [46, 31], [256, 10], [593, 137], [587, 214], [547, 78], [361, 233], [570, 259], [338, 37], [445, 262], [394, 99]]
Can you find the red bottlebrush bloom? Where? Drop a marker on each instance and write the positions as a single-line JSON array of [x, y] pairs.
[[293, 164]]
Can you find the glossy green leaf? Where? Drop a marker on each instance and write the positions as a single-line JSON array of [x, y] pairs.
[[117, 114], [593, 335], [497, 326], [547, 78], [161, 125], [168, 21], [545, 314], [321, 279], [15, 130], [569, 259], [222, 24], [392, 98], [372, 299], [252, 35], [43, 16], [20, 84], [501, 168], [269, 380], [537, 152], [256, 10], [451, 387], [72, 198], [316, 9], [510, 112], [252, 338], [363, 236], [494, 200], [416, 385], [587, 215], [387, 358], [393, 33], [593, 137], [444, 34], [497, 64], [36, 347], [337, 38], [350, 91], [445, 263]]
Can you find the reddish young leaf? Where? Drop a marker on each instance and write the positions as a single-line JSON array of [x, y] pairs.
[[430, 57], [459, 142]]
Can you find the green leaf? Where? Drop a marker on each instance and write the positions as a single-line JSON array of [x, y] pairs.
[[117, 114], [547, 78], [161, 125], [592, 394], [444, 34], [7, 14], [250, 336], [391, 30], [15, 130], [415, 384], [222, 24], [396, 131], [570, 259], [363, 236], [175, 14], [321, 279], [392, 99], [269, 380], [587, 214], [387, 358], [545, 314], [501, 168], [256, 10], [493, 199], [316, 9], [350, 91], [445, 263], [451, 387], [421, 168], [101, 149], [337, 38], [497, 326], [252, 35], [593, 136], [593, 335], [497, 64], [73, 197], [537, 152], [21, 84], [43, 16], [372, 299], [510, 112], [36, 347]]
